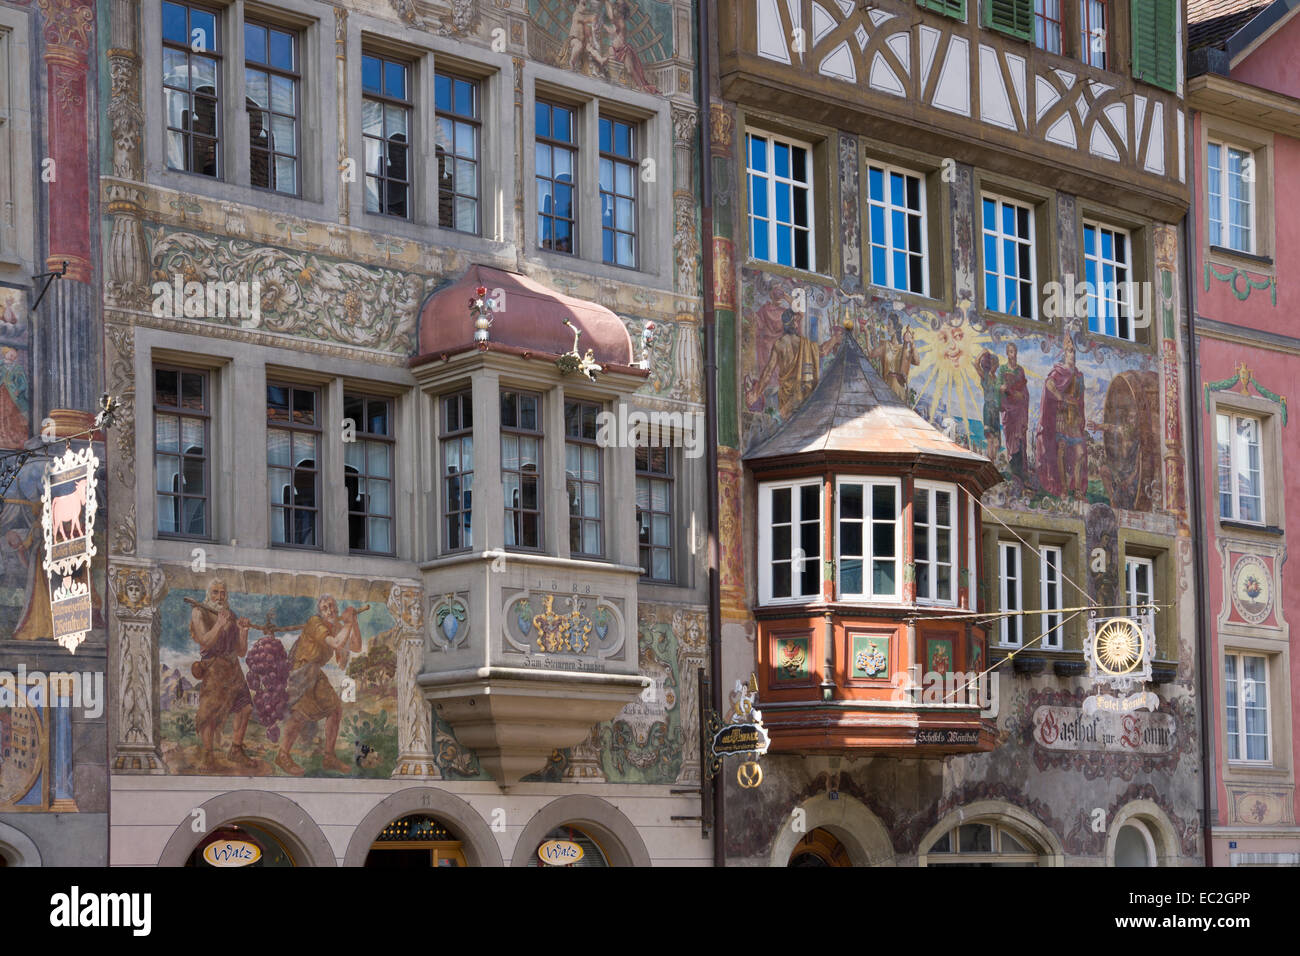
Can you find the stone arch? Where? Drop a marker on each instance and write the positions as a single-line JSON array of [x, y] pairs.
[[477, 841], [617, 836], [1158, 826], [18, 847], [855, 826], [289, 822], [996, 811]]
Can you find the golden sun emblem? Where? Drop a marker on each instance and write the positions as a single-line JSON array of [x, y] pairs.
[[1118, 646]]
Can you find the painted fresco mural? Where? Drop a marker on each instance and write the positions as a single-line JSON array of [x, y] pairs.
[[621, 41], [295, 680]]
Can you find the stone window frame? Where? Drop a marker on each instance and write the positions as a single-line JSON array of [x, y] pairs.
[[1141, 266], [1261, 145], [18, 190], [937, 223], [241, 535], [1271, 472], [1276, 652], [319, 180], [1070, 540], [1043, 202], [591, 99], [826, 259]]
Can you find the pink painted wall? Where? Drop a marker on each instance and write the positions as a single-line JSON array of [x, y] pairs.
[[1275, 66]]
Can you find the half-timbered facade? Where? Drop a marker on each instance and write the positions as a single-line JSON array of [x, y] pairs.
[[978, 207]]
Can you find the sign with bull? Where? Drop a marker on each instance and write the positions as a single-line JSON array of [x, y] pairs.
[[68, 506]]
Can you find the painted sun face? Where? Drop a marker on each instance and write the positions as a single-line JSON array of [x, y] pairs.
[[947, 378]]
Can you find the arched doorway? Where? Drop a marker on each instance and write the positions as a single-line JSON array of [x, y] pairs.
[[241, 843], [415, 841], [819, 848], [1134, 845], [569, 845]]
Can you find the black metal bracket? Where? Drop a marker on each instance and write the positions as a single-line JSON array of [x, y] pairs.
[[49, 278]]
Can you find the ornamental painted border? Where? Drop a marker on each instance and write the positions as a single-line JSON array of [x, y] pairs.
[[1245, 378], [1231, 278]]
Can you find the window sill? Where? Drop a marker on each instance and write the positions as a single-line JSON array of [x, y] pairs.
[[221, 190], [889, 294], [599, 270], [790, 272], [1256, 769], [1236, 259], [1268, 530]]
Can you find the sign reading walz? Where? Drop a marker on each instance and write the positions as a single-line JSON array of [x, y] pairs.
[[743, 734], [68, 506]]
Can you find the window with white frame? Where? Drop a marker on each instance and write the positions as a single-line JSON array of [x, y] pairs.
[[1093, 35], [867, 538], [1049, 595], [1245, 683], [780, 178], [1230, 211], [1107, 259], [934, 542], [1009, 269], [789, 541], [896, 227], [521, 468], [1010, 594], [1240, 466], [1140, 585]]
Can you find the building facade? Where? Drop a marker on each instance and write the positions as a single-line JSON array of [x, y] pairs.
[[383, 588], [1245, 159], [947, 234], [53, 720]]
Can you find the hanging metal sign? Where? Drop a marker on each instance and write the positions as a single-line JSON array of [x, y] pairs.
[[743, 734], [1119, 651], [68, 505]]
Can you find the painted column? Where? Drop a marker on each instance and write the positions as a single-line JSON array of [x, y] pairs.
[[67, 345], [414, 719], [134, 594]]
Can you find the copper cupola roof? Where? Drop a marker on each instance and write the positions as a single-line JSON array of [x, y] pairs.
[[531, 318], [853, 413]]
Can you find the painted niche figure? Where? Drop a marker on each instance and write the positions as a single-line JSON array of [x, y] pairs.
[[795, 361], [1062, 446], [14, 404], [312, 697], [1013, 389], [620, 51], [988, 367], [223, 690]]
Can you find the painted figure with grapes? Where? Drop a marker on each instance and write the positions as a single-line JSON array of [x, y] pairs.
[[223, 691], [311, 696]]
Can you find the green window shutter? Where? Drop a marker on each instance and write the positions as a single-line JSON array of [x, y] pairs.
[[1013, 17], [1155, 42], [949, 8]]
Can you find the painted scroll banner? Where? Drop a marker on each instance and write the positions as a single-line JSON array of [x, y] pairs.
[[1071, 728]]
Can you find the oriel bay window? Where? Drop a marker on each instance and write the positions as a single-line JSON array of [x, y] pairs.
[[934, 542], [583, 479], [521, 477], [293, 437], [790, 540], [868, 554], [457, 441]]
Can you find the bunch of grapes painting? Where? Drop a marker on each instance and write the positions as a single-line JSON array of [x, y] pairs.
[[257, 684]]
